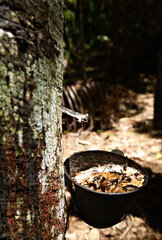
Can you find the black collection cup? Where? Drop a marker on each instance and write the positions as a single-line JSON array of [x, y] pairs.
[[100, 209]]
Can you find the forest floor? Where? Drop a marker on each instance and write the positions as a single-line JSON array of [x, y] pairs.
[[138, 140]]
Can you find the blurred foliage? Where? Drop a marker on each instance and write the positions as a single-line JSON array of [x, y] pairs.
[[121, 38]]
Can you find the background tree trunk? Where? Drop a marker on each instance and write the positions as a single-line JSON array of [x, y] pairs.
[[158, 96], [31, 167]]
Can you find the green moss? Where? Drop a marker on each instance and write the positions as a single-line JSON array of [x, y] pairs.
[[3, 70], [2, 50]]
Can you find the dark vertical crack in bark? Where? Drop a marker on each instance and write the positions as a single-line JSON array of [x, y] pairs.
[[30, 145], [4, 188]]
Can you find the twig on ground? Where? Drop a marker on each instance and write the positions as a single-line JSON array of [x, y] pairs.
[[128, 228]]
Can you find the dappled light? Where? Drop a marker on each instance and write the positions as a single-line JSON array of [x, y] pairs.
[[136, 137], [113, 73]]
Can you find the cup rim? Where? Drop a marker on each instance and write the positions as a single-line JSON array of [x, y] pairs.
[[105, 193]]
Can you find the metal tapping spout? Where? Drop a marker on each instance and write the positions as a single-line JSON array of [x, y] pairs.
[[72, 113]]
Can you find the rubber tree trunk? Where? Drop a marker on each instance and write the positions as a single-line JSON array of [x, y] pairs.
[[158, 96], [31, 167]]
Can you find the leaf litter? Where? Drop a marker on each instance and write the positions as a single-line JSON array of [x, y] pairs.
[[111, 178]]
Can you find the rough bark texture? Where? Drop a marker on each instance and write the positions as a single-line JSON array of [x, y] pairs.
[[31, 169], [158, 96]]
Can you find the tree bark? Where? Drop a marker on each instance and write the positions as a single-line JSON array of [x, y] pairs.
[[158, 96], [31, 77]]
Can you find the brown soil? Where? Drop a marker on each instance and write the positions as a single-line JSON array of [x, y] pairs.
[[136, 138]]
